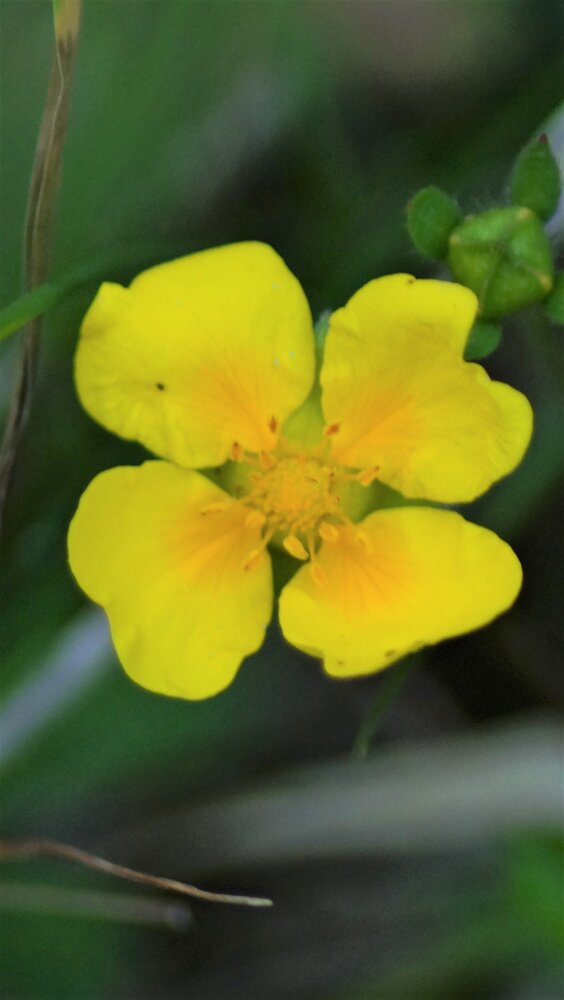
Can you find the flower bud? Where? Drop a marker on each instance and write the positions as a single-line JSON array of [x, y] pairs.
[[535, 181], [431, 217], [483, 340], [554, 304], [504, 256]]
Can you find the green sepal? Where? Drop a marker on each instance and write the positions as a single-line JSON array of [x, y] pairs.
[[320, 331], [379, 496], [484, 338], [536, 181], [504, 256], [554, 304], [431, 217]]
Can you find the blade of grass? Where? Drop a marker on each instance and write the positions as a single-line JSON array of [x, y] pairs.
[[51, 293], [93, 905], [38, 228], [29, 306]]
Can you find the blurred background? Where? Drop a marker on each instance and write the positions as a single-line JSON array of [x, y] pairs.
[[432, 868]]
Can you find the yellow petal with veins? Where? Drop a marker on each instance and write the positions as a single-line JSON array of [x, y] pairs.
[[400, 397], [155, 547], [199, 353], [417, 576]]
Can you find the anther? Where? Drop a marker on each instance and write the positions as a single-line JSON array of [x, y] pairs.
[[365, 542], [235, 452], [293, 545], [367, 476], [253, 558], [318, 575], [214, 508], [273, 425], [332, 429], [328, 532], [267, 461], [255, 519]]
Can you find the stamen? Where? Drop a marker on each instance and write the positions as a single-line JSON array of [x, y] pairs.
[[367, 476], [296, 497], [273, 425], [317, 574], [253, 558], [255, 555], [267, 461], [255, 519], [293, 545], [332, 429], [365, 541], [215, 508], [328, 532]]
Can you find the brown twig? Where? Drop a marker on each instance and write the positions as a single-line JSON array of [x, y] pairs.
[[39, 222], [18, 849]]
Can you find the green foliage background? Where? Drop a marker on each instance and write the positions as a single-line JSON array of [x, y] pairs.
[[308, 125]]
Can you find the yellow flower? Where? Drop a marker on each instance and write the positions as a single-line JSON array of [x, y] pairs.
[[209, 361]]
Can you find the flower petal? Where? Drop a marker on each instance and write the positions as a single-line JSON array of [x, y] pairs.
[[414, 576], [183, 611], [198, 353], [396, 386]]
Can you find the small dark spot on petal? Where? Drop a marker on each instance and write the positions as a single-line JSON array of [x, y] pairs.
[[160, 386], [389, 652]]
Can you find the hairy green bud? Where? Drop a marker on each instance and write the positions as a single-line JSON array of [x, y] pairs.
[[504, 256]]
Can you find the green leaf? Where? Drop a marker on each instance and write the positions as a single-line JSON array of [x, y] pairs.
[[29, 307], [537, 877], [102, 267], [554, 304], [431, 217], [483, 340], [535, 182]]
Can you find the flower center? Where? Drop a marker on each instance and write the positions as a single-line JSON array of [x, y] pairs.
[[296, 500], [294, 494]]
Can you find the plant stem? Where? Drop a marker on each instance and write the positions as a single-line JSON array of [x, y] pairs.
[[38, 228], [18, 849], [384, 699]]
